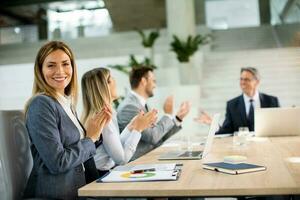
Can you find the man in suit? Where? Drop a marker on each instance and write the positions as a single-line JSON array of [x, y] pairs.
[[240, 110], [142, 81]]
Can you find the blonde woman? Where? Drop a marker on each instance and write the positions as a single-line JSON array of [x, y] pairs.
[[60, 146], [98, 90]]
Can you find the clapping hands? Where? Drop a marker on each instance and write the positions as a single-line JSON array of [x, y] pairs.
[[183, 110], [168, 105], [143, 120], [97, 122]]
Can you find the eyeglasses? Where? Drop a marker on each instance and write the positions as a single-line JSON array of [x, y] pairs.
[[247, 79]]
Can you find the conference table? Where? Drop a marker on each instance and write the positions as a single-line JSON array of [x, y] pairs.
[[281, 156]]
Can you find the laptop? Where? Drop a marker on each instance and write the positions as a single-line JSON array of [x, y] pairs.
[[195, 155], [277, 122]]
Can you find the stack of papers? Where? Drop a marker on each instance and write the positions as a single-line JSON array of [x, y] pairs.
[[139, 173]]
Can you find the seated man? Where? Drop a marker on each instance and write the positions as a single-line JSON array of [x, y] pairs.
[[240, 110], [142, 81]]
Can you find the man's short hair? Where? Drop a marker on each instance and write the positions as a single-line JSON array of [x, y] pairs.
[[252, 70], [137, 74]]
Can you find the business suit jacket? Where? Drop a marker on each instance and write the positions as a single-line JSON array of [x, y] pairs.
[[57, 151], [151, 137], [236, 112]]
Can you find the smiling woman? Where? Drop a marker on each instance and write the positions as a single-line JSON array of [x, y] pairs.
[[57, 70], [60, 146], [49, 58]]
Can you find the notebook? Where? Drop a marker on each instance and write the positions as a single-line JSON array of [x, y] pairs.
[[142, 173], [231, 168], [195, 155], [277, 122]]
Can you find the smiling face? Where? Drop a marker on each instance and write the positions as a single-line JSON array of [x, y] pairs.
[[248, 83], [57, 70], [150, 84]]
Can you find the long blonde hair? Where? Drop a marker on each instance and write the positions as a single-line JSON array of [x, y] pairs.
[[95, 91], [40, 86]]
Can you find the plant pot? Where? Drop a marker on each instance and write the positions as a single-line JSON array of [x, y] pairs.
[[189, 74], [149, 54]]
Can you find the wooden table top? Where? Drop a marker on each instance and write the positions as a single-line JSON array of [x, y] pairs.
[[281, 156]]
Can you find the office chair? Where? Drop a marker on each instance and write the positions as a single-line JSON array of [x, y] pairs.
[[15, 156]]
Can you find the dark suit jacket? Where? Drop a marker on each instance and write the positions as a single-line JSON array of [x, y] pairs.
[[57, 150], [236, 113]]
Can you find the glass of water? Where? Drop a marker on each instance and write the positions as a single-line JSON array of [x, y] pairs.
[[189, 144], [244, 130], [244, 133], [240, 137]]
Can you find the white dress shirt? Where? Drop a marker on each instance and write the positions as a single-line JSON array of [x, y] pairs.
[[256, 102], [117, 149]]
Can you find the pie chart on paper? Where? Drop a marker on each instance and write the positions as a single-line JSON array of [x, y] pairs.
[[137, 175]]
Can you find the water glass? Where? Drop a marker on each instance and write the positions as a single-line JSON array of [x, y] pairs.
[[244, 130], [240, 137], [189, 144]]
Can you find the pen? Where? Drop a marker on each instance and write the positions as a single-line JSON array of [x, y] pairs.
[[142, 170]]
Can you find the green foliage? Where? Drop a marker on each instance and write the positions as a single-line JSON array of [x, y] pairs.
[[133, 63], [148, 40], [185, 49], [117, 101], [122, 68]]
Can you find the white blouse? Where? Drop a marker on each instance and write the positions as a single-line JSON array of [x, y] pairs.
[[117, 149], [65, 102]]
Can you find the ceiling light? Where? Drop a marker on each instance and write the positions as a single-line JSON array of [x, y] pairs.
[[17, 30]]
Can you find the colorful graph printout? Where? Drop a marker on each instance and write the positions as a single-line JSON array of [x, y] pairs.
[[137, 175]]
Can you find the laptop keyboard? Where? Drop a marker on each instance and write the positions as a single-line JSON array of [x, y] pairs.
[[191, 154]]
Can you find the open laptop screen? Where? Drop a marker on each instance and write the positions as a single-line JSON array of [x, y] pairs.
[[277, 122], [212, 130], [185, 155]]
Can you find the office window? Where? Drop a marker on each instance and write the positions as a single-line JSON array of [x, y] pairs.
[[228, 14]]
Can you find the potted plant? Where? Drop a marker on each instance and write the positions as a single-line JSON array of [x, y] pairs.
[[133, 63], [148, 42], [184, 50]]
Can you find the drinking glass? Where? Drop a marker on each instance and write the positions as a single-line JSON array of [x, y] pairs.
[[189, 144], [240, 137]]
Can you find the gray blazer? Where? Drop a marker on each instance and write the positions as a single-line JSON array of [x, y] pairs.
[[57, 151], [151, 137]]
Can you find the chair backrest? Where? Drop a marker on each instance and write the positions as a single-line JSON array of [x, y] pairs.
[[15, 156]]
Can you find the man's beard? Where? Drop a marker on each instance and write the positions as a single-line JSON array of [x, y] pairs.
[[149, 93]]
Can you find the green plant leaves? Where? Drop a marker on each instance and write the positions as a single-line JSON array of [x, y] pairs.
[[148, 41], [185, 49], [133, 63]]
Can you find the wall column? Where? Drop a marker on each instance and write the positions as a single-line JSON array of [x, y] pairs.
[[181, 21], [181, 18]]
